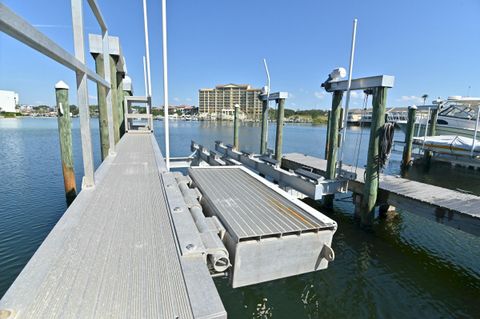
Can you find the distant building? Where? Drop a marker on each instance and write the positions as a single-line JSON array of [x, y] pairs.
[[219, 102], [8, 101]]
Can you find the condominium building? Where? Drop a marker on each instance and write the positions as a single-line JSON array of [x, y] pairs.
[[218, 103]]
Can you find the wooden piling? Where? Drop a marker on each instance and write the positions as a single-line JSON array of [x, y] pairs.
[[264, 133], [120, 101], [65, 137], [407, 150], [115, 97], [279, 135], [432, 131], [327, 138], [236, 125], [373, 170], [102, 107], [333, 129]]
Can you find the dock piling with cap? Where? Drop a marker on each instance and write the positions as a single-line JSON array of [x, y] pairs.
[[373, 166], [102, 106], [333, 130], [65, 138], [407, 151]]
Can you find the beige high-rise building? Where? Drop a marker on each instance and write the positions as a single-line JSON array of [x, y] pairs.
[[219, 102]]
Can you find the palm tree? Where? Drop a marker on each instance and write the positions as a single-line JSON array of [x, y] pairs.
[[424, 97]]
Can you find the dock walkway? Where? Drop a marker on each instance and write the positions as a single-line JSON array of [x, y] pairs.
[[443, 205], [114, 252]]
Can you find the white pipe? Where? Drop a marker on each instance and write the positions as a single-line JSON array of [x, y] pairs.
[[474, 143], [165, 83], [268, 97], [147, 53], [145, 76], [420, 118], [347, 100]]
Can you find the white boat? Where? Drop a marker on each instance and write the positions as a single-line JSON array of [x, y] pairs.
[[449, 145], [457, 116]]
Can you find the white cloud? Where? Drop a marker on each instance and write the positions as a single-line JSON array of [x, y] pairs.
[[320, 95], [176, 99], [188, 99], [410, 99], [92, 97]]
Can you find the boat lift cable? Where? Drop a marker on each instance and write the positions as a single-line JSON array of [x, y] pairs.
[[358, 144]]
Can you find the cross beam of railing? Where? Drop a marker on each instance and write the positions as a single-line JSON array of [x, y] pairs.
[[21, 30]]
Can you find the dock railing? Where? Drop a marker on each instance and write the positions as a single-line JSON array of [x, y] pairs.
[[23, 31]]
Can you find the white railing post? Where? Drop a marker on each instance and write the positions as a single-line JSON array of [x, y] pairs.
[[82, 94], [165, 84]]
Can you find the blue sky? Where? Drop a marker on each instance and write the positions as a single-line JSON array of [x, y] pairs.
[[430, 46]]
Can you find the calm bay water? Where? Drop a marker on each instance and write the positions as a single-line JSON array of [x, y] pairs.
[[406, 268]]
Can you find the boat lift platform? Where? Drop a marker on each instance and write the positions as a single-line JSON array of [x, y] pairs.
[[270, 234]]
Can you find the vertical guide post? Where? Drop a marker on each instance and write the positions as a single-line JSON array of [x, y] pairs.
[[82, 95], [279, 135], [347, 100], [264, 133], [334, 121], [65, 137], [373, 170], [407, 151], [109, 93], [165, 83], [236, 121], [147, 54]]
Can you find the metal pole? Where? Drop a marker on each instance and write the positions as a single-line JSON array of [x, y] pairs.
[[279, 136], [109, 93], [264, 132], [475, 134], [82, 95], [372, 172], [145, 76], [147, 53], [347, 100], [165, 83], [236, 125], [407, 151], [65, 137], [334, 122], [102, 107]]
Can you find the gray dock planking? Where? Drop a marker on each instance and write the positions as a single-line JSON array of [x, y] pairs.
[[447, 206], [113, 254]]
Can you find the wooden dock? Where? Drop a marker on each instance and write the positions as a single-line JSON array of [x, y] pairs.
[[114, 253], [450, 207]]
